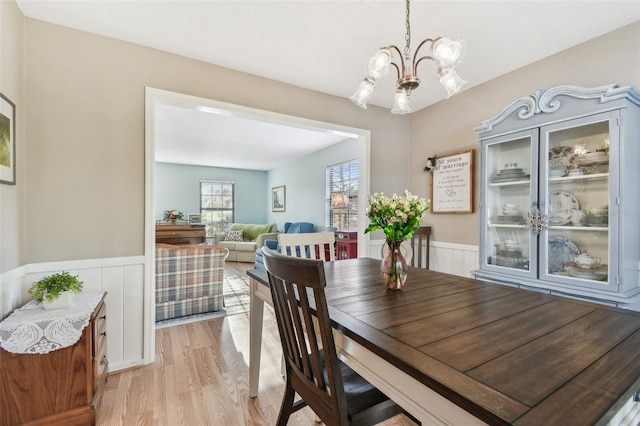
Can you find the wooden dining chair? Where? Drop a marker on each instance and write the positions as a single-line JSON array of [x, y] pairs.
[[421, 243], [336, 393], [311, 245]]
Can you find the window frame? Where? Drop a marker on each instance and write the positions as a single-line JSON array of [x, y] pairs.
[[210, 225], [348, 186]]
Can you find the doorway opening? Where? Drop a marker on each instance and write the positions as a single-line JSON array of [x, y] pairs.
[[154, 98]]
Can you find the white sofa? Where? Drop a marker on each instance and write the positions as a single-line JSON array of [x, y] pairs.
[[253, 237]]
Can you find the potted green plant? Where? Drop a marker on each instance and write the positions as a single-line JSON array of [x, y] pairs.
[[55, 290]]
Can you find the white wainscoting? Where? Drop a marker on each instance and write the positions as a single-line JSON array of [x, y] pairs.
[[13, 293], [123, 280], [450, 258]]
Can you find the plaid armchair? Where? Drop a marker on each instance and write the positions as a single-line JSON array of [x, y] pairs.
[[189, 280]]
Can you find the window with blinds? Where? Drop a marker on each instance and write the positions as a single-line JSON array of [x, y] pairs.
[[217, 205], [342, 196]]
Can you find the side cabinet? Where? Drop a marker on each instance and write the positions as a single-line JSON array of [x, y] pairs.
[[346, 245], [99, 361], [559, 197], [62, 387]]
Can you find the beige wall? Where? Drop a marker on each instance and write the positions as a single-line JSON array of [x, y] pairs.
[[85, 97], [12, 197], [448, 125], [80, 191]]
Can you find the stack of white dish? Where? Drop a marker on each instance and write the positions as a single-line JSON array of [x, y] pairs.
[[591, 158], [510, 209], [595, 162], [510, 244], [509, 254], [553, 173], [597, 216], [509, 174], [510, 214]]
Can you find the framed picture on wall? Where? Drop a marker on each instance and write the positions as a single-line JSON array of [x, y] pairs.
[[7, 141], [195, 219], [452, 183], [278, 198]]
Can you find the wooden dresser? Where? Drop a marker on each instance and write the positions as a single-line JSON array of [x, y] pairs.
[[62, 387], [180, 234]]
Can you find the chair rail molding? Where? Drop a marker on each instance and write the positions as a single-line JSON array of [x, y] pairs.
[[123, 280], [450, 258]]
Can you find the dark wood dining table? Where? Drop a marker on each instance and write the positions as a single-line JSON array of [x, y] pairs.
[[453, 350]]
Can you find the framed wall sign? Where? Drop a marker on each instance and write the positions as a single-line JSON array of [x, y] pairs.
[[7, 141], [195, 219], [278, 198], [452, 183]]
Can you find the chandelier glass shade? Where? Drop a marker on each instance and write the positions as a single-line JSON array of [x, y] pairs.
[[446, 53]]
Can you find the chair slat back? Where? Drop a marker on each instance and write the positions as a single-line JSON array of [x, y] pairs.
[[313, 245], [420, 243], [297, 289]]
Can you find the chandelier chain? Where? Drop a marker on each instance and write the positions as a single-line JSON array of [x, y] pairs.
[[407, 36]]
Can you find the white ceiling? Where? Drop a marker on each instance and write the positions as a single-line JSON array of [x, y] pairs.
[[323, 45], [204, 136]]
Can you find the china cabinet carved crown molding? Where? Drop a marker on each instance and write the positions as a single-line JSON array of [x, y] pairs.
[[560, 198]]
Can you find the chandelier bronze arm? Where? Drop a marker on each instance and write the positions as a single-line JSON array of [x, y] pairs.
[[397, 69], [401, 72], [415, 55], [416, 63]]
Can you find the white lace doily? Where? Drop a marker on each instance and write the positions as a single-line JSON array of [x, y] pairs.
[[33, 330]]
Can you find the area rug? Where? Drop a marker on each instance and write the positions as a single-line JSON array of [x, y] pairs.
[[236, 294], [236, 301]]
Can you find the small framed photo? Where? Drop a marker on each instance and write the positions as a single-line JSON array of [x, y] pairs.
[[7, 141], [278, 198], [195, 219]]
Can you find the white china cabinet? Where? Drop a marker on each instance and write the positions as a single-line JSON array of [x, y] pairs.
[[560, 194]]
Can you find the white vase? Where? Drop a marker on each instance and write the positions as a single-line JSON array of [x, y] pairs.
[[61, 302]]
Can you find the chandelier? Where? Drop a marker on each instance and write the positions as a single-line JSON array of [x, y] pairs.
[[446, 53]]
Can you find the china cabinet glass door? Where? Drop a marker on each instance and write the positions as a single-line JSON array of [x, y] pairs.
[[510, 196], [576, 196], [581, 202]]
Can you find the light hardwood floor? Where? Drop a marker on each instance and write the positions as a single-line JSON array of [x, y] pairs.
[[200, 377]]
